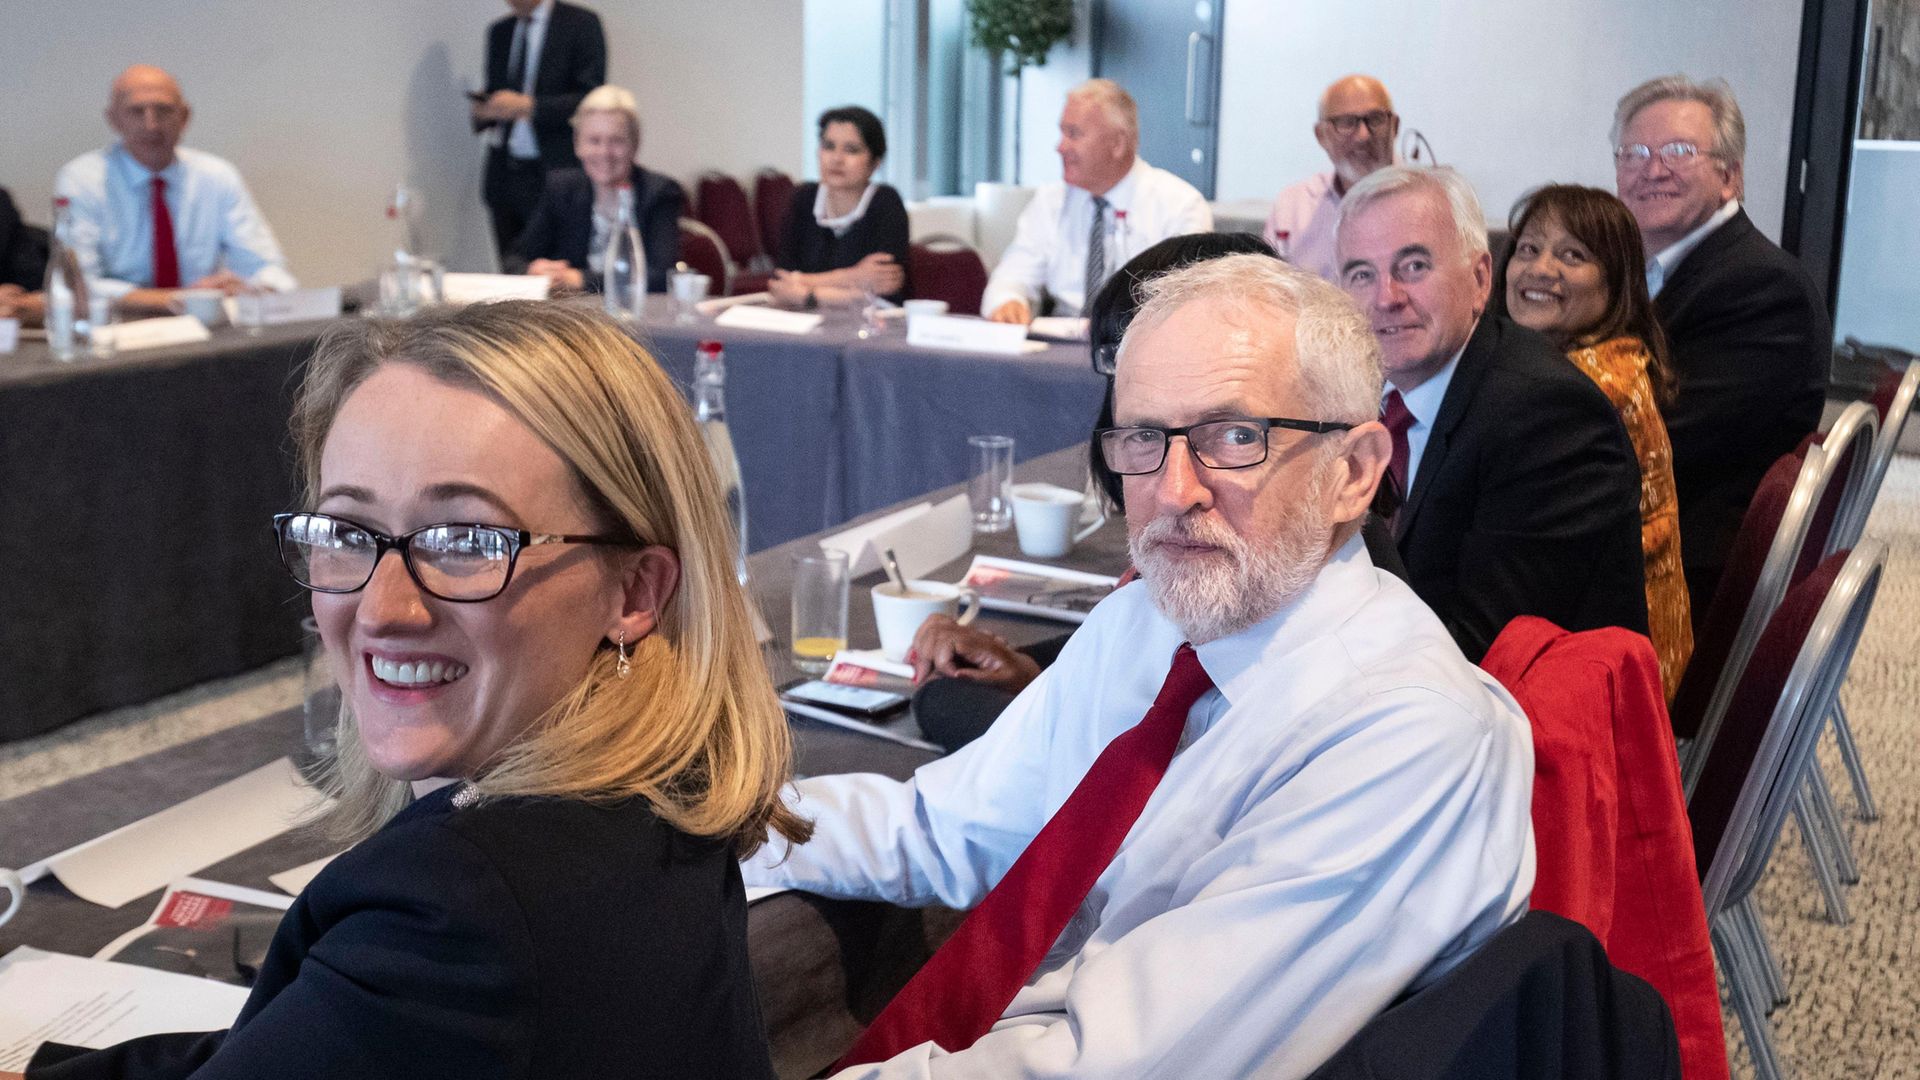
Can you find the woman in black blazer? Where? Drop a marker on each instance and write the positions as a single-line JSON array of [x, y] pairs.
[[567, 235], [846, 236], [555, 744]]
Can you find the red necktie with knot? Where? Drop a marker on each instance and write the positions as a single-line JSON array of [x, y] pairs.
[[969, 982], [1394, 414], [166, 261]]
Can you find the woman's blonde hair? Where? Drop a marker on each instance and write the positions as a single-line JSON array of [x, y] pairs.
[[611, 99], [696, 729]]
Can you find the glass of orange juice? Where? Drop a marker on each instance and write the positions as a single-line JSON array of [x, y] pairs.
[[819, 626]]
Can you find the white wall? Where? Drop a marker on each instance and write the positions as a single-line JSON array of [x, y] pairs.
[[847, 40], [324, 106], [1515, 93]]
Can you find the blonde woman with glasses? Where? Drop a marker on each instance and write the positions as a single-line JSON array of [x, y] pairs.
[[557, 735]]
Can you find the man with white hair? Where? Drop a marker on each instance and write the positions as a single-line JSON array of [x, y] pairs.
[[1746, 327], [151, 216], [1323, 806], [1522, 490], [1356, 128], [1109, 206]]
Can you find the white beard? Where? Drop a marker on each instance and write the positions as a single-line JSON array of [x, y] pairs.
[[1244, 582]]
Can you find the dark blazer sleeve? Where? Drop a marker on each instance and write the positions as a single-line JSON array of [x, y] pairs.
[[403, 977], [23, 248], [1556, 531], [889, 222], [793, 241], [573, 61], [661, 206], [541, 239]]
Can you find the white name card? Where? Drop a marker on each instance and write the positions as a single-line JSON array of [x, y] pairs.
[[481, 288], [923, 538], [773, 320], [155, 333], [9, 335], [280, 308], [967, 333]]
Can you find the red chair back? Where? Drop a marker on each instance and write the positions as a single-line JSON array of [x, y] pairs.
[[721, 205], [1713, 640], [772, 198], [1885, 391], [699, 251], [1613, 848], [953, 274]]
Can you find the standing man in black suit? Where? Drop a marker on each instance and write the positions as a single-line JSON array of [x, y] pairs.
[[1748, 329], [541, 60], [1523, 494]]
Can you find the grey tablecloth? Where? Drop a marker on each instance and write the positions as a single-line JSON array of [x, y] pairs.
[[135, 493]]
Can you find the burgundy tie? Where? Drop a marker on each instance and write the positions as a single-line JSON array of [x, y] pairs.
[[969, 982], [166, 261], [1394, 414]]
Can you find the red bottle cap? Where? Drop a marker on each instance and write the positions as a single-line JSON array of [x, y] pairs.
[[708, 347]]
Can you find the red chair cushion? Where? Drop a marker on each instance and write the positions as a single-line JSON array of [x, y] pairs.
[[702, 254], [772, 199], [722, 207], [956, 276]]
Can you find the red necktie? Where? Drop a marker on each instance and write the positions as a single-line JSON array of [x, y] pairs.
[[969, 982], [166, 261], [1394, 414]]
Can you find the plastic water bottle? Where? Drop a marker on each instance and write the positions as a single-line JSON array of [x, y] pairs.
[[623, 268], [66, 288], [710, 411]]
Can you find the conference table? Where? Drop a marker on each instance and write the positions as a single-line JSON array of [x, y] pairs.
[[136, 490], [822, 968]]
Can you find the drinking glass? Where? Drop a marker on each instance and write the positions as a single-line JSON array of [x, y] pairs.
[[320, 708], [100, 326], [249, 312], [989, 492], [819, 626]]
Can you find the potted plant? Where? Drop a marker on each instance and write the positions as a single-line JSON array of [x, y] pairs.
[[1024, 32]]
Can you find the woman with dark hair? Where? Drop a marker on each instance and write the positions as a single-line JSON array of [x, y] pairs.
[[1578, 275], [846, 236]]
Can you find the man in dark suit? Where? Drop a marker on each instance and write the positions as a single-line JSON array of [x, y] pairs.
[[23, 250], [1747, 327], [1523, 494], [541, 60]]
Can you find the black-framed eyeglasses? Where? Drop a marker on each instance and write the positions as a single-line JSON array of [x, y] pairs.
[[1238, 443], [1677, 155], [1348, 123], [1106, 358], [462, 562]]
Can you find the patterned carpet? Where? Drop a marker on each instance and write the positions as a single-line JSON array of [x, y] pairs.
[[1856, 1006]]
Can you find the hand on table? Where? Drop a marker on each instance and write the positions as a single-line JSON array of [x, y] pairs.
[[504, 105], [943, 647], [558, 271], [17, 303], [226, 281], [1013, 311], [789, 288], [879, 274]]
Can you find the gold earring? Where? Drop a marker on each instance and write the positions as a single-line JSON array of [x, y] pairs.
[[622, 667]]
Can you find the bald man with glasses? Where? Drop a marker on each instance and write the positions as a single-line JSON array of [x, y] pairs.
[[1356, 127]]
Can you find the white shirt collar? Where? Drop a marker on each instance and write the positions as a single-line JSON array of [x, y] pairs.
[[1660, 267], [1424, 401], [845, 221], [1119, 196], [1235, 662], [125, 161]]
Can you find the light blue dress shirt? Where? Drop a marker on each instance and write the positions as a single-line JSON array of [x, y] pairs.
[[1350, 816], [1424, 402], [215, 222]]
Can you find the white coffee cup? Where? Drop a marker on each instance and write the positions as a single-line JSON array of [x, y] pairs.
[[689, 288], [925, 307], [16, 890], [899, 615], [202, 304], [1044, 515]]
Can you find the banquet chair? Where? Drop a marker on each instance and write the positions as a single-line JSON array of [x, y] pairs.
[[1755, 769], [703, 250], [721, 205], [772, 198], [1613, 849], [947, 268]]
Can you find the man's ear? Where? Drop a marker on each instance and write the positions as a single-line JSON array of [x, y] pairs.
[[648, 580], [1362, 460]]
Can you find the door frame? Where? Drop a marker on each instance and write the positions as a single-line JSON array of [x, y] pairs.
[[1826, 116]]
